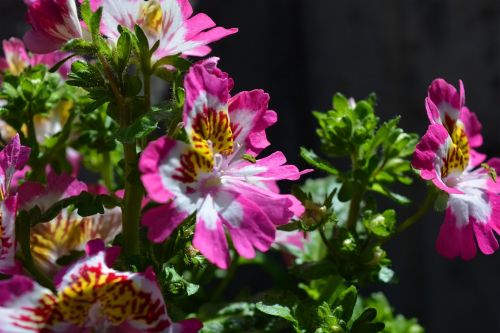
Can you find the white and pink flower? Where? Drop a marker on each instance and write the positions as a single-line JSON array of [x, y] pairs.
[[12, 158], [168, 21], [216, 175], [91, 296], [68, 232], [16, 58], [444, 157], [53, 23]]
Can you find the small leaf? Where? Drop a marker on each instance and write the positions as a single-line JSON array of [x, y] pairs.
[[276, 310], [139, 129], [95, 22], [310, 157], [123, 49]]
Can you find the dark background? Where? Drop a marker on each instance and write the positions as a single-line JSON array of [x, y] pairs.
[[302, 51]]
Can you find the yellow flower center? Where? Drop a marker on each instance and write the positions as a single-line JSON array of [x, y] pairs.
[[16, 65], [458, 155], [152, 15]]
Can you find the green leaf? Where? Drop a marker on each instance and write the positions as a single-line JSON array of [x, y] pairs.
[[86, 12], [364, 324], [310, 157], [175, 61], [175, 284], [400, 199], [142, 42], [381, 225], [95, 23], [348, 300], [123, 50], [139, 129], [276, 310], [340, 102]]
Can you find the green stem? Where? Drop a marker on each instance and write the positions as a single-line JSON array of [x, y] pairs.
[[132, 200], [423, 209], [355, 204], [107, 171], [354, 209], [131, 207]]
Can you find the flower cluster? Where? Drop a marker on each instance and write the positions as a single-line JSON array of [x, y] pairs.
[[66, 228], [446, 156]]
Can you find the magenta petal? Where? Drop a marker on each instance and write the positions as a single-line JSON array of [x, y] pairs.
[[13, 157], [472, 127], [212, 243], [38, 43], [187, 326], [277, 207], [254, 231], [250, 118], [485, 237], [446, 99], [454, 241], [13, 288], [162, 221], [277, 169], [149, 165]]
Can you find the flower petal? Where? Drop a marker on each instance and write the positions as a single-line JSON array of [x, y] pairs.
[[162, 221], [455, 241]]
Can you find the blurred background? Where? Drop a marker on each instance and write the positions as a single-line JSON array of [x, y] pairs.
[[302, 51]]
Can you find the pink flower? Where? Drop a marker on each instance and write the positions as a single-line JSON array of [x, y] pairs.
[[91, 296], [53, 23], [167, 21], [446, 106], [69, 233], [58, 187], [17, 59], [473, 208], [217, 174], [12, 158]]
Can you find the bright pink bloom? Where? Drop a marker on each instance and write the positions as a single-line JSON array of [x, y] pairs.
[[445, 105], [12, 158], [58, 187], [53, 23], [215, 175], [69, 232], [473, 207], [167, 21], [17, 58], [91, 296]]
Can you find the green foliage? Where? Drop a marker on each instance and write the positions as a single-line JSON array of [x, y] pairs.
[[393, 323]]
